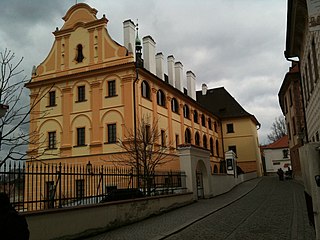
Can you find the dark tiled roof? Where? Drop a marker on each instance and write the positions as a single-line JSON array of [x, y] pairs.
[[222, 104]]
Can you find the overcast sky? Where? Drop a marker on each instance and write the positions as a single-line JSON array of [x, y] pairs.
[[237, 44]]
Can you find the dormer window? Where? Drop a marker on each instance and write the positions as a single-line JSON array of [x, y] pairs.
[[80, 56]]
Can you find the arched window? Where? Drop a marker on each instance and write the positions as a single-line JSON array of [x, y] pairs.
[[186, 112], [145, 89], [174, 105], [215, 127], [215, 169], [209, 124], [217, 147], [211, 146], [161, 98], [197, 139], [205, 144], [195, 116], [187, 136], [79, 57], [203, 120]]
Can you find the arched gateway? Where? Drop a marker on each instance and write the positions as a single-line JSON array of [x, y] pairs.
[[195, 162]]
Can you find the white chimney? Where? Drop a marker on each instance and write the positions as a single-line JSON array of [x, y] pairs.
[[178, 70], [191, 84], [149, 52], [204, 89], [159, 65], [129, 36], [171, 75]]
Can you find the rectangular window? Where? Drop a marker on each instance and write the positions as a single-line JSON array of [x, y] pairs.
[[315, 60], [230, 128], [81, 137], [290, 97], [112, 88], [163, 138], [112, 133], [51, 140], [79, 189], [294, 126], [310, 74], [81, 93], [233, 148], [285, 153], [52, 98]]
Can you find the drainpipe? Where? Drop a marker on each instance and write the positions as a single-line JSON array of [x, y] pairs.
[[135, 124]]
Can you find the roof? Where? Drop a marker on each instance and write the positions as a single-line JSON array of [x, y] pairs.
[[297, 20], [220, 102], [280, 143]]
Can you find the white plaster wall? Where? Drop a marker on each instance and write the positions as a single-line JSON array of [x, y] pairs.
[[83, 220]]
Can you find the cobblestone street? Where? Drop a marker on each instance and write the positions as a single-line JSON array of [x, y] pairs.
[[258, 209]]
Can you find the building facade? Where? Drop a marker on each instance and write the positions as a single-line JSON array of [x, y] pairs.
[[277, 155], [239, 128], [96, 90], [302, 42], [290, 100]]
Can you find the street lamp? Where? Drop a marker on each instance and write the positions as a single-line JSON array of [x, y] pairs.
[[89, 167]]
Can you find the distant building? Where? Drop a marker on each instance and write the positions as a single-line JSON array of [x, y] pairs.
[[239, 128], [290, 100], [277, 155]]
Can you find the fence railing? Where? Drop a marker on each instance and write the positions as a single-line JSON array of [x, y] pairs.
[[38, 186]]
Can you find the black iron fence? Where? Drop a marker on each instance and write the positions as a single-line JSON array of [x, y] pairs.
[[38, 186]]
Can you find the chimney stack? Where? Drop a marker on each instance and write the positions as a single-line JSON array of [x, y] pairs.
[[191, 84], [171, 74], [204, 89], [159, 66], [149, 52], [129, 36], [178, 70]]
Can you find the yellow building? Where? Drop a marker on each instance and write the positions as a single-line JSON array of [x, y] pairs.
[[239, 128], [93, 93]]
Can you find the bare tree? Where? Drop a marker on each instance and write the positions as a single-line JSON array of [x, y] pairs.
[[14, 125], [278, 129], [145, 151]]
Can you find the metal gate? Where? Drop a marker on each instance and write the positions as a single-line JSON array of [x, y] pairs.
[[200, 191]]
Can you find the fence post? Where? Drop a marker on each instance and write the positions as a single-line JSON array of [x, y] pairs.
[[60, 187]]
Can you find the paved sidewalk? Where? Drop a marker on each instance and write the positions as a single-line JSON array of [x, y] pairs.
[[166, 224]]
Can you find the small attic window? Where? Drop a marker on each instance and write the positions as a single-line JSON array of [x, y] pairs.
[[79, 56]]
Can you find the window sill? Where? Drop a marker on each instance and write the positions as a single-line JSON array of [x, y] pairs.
[[51, 149], [81, 101], [111, 96], [84, 145], [111, 142], [49, 106]]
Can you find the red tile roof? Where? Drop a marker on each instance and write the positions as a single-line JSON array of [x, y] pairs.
[[281, 143]]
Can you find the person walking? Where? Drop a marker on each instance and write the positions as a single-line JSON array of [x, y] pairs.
[[280, 174], [12, 225]]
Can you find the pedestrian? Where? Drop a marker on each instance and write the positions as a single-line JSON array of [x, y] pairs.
[[13, 226], [280, 174]]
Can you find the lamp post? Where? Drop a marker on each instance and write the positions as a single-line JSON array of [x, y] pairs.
[[89, 168]]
